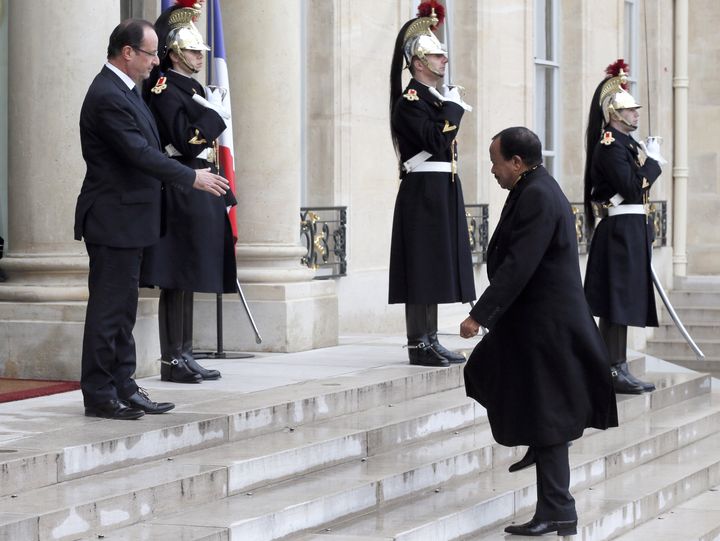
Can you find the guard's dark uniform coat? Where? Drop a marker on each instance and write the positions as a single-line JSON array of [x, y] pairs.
[[541, 371], [430, 260], [618, 283], [196, 253]]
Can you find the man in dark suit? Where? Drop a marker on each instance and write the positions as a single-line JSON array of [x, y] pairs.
[[118, 213], [541, 371]]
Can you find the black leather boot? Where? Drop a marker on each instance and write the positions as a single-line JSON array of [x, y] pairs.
[[170, 317], [615, 337], [622, 383], [451, 356], [187, 342], [420, 349], [646, 385]]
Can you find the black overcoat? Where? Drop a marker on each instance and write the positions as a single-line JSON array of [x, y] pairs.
[[430, 260], [196, 253], [542, 370], [618, 283]]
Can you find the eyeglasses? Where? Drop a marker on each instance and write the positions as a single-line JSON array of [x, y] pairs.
[[154, 53]]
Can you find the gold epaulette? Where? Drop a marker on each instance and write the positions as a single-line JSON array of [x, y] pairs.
[[607, 138], [411, 95], [159, 86]]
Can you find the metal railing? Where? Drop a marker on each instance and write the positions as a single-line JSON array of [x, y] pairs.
[[324, 232], [478, 229]]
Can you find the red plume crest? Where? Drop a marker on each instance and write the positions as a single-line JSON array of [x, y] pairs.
[[185, 3], [613, 70], [425, 9]]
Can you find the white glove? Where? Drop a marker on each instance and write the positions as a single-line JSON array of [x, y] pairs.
[[219, 109], [450, 94], [652, 149]]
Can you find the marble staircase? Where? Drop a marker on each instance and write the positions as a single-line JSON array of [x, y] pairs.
[[391, 452]]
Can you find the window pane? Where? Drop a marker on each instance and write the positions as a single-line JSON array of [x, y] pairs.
[[544, 28], [544, 110]]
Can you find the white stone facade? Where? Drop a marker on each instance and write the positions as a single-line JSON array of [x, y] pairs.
[[309, 82]]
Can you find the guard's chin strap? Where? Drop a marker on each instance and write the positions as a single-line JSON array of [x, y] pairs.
[[425, 62], [180, 53], [617, 116]]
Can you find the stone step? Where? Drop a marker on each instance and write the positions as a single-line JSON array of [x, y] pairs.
[[691, 315], [699, 331], [69, 510], [358, 486], [677, 347], [709, 365], [697, 283], [254, 461], [270, 458], [479, 508], [697, 519], [685, 297], [46, 452]]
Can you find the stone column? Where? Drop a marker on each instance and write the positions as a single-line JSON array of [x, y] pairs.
[[264, 54], [55, 51], [680, 168]]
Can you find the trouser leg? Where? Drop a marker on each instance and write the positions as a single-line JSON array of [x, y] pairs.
[[555, 503], [187, 355], [108, 354], [187, 324], [420, 349], [615, 337], [170, 318], [171, 321]]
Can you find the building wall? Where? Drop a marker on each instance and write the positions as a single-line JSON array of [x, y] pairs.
[[704, 158]]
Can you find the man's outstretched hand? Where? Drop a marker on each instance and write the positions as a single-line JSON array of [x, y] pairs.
[[210, 182]]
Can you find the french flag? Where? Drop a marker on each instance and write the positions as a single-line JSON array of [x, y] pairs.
[[219, 77]]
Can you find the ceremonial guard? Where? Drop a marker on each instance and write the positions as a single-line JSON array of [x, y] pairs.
[[619, 172], [196, 252], [430, 260]]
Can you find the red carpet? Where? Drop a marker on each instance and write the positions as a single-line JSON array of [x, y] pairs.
[[20, 389]]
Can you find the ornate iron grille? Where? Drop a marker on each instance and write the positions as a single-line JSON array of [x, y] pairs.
[[323, 230], [657, 215], [477, 222]]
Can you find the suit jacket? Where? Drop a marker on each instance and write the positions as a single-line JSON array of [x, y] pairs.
[[542, 370], [120, 200], [430, 258]]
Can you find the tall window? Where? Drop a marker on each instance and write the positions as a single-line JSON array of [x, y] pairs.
[[630, 44], [547, 71]]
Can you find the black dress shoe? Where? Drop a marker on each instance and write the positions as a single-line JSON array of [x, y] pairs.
[[540, 527], [424, 355], [113, 409], [451, 356], [195, 366], [141, 400], [525, 462], [178, 371], [622, 383]]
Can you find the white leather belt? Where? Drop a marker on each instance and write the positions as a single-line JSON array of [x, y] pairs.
[[416, 160], [208, 154], [626, 209], [433, 167]]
